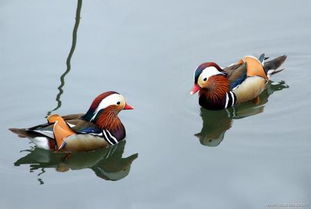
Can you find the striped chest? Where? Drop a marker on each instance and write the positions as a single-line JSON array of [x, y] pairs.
[[230, 100], [110, 137]]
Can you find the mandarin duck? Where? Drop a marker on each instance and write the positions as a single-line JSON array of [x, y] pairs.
[[213, 133], [220, 88], [99, 127]]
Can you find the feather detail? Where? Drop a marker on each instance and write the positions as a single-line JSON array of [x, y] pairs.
[[271, 67], [84, 142], [90, 113], [39, 139], [254, 67], [108, 119], [262, 58], [61, 130], [274, 63], [236, 74], [250, 88], [214, 95]]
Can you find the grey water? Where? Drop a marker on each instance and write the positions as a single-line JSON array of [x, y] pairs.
[[56, 56]]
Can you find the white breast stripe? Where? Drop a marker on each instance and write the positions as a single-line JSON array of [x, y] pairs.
[[232, 95], [70, 125], [96, 134], [107, 138], [227, 98], [114, 138]]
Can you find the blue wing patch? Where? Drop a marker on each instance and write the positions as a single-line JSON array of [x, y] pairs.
[[238, 81], [91, 130]]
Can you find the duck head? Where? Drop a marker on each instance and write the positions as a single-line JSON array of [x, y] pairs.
[[208, 76], [105, 108]]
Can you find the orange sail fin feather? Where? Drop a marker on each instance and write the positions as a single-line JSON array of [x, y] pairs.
[[60, 129], [254, 67]]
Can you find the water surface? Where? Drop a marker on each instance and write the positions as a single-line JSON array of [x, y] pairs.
[[148, 51]]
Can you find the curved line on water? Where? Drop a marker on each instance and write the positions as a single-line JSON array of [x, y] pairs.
[[68, 60]]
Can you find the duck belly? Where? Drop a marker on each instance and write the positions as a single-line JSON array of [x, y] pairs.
[[84, 142], [41, 142], [251, 88]]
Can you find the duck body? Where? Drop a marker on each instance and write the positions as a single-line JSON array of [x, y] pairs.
[[238, 83], [99, 127]]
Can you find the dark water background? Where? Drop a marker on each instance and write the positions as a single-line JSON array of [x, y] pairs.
[[255, 156]]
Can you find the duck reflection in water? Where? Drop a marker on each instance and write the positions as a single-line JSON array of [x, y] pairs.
[[106, 163], [216, 123]]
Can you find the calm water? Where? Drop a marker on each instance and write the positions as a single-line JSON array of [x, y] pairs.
[[176, 155]]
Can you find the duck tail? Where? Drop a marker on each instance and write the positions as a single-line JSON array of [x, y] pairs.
[[21, 132], [271, 67], [24, 132]]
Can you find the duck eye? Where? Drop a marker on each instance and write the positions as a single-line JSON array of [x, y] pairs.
[[204, 79], [118, 103]]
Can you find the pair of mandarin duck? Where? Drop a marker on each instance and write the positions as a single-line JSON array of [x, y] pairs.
[[219, 88]]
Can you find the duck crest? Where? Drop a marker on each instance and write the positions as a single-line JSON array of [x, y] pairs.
[[214, 96], [90, 114], [203, 66]]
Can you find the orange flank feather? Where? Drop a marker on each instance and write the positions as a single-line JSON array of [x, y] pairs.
[[60, 129], [53, 118], [254, 67]]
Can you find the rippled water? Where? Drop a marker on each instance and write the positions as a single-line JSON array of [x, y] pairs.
[[252, 156]]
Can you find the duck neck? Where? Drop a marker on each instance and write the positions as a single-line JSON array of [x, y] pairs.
[[214, 95], [105, 119], [108, 120]]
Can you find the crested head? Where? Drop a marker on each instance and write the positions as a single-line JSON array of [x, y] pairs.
[[210, 67], [105, 108], [204, 74], [213, 85]]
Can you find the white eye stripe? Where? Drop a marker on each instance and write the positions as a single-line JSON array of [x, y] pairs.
[[209, 71], [112, 99]]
